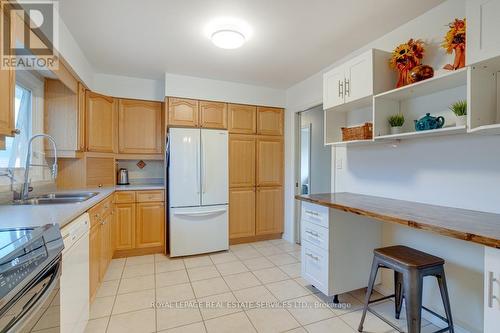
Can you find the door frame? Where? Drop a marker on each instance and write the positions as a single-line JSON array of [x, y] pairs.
[[297, 180]]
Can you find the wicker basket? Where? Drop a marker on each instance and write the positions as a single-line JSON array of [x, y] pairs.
[[362, 132]]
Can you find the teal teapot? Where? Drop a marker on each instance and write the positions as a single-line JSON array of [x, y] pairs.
[[429, 122]]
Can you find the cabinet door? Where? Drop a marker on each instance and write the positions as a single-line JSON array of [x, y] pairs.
[[213, 115], [491, 290], [359, 77], [139, 127], [105, 249], [101, 126], [81, 117], [125, 226], [241, 212], [183, 112], [269, 217], [333, 88], [7, 88], [483, 24], [241, 160], [242, 118], [94, 259], [269, 161], [270, 121], [150, 224]]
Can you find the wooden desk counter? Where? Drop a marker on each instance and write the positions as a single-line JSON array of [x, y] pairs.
[[473, 226]]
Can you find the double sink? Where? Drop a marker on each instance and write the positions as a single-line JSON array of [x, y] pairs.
[[56, 198]]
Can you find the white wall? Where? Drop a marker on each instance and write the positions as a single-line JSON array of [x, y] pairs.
[[129, 87], [215, 90], [460, 171]]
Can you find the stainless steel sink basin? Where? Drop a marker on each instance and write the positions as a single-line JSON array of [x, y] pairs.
[[56, 198]]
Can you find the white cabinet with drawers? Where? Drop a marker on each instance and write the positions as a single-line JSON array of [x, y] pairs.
[[491, 290], [331, 261]]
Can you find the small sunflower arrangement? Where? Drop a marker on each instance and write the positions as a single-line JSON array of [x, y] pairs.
[[405, 57], [454, 41]]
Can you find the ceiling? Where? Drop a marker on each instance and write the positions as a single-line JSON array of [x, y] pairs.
[[291, 40]]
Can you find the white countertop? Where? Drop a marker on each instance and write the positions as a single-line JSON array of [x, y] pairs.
[[12, 216], [140, 187]]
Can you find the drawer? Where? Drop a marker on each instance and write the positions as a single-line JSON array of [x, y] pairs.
[[315, 266], [100, 211], [316, 235], [315, 214], [125, 197], [150, 196]]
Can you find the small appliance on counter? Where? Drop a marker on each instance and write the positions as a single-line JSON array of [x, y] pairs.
[[122, 178]]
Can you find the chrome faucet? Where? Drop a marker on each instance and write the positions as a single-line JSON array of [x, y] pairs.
[[26, 182]]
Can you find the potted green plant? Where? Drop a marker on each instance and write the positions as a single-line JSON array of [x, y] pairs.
[[459, 108], [396, 121]]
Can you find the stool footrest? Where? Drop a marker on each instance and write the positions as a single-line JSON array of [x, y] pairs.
[[382, 299]]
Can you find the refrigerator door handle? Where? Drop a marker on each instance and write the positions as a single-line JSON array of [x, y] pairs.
[[202, 212], [198, 171], [204, 166]]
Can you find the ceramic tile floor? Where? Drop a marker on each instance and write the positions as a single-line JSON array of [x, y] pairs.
[[224, 292]]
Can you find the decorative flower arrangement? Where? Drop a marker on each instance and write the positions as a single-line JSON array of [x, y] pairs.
[[405, 57], [455, 41]]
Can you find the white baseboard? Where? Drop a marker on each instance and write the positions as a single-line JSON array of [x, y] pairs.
[[426, 315]]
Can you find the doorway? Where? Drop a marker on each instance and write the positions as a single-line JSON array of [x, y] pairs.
[[313, 158]]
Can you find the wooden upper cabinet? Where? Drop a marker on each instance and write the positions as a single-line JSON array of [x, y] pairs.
[[241, 160], [241, 212], [269, 211], [270, 121], [242, 119], [7, 88], [213, 114], [183, 112], [101, 123], [270, 161], [139, 127], [150, 224], [81, 117]]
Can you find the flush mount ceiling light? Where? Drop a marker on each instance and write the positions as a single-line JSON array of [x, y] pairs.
[[228, 32], [228, 39]]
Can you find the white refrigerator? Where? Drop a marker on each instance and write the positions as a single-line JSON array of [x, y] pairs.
[[197, 191]]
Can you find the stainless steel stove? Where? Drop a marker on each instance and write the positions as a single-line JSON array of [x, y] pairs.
[[30, 268]]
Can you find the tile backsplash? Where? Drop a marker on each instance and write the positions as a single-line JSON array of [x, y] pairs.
[[153, 172]]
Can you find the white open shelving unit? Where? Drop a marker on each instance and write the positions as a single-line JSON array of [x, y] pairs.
[[432, 96]]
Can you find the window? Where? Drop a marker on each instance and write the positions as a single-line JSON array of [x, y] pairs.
[[14, 155]]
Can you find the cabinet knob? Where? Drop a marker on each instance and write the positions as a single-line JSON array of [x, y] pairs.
[[16, 131]]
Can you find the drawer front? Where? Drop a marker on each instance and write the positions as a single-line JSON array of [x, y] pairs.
[[315, 266], [315, 235], [150, 196], [315, 214], [125, 197]]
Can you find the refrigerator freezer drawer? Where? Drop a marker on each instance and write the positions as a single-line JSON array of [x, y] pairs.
[[197, 230]]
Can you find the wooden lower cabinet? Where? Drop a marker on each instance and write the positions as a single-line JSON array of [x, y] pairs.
[[140, 223], [150, 224], [269, 210], [105, 254], [241, 212], [94, 259], [124, 226]]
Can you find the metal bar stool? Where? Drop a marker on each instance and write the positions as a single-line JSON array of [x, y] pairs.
[[410, 266]]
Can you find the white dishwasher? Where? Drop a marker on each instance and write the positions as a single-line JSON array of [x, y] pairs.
[[75, 276]]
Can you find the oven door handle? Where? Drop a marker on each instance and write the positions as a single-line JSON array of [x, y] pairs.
[[35, 304]]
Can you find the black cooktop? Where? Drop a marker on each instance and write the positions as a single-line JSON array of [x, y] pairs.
[[24, 253]]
